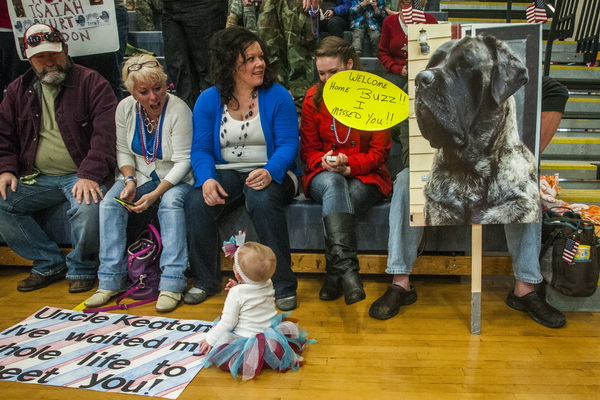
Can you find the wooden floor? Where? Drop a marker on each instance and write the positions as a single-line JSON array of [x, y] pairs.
[[426, 352]]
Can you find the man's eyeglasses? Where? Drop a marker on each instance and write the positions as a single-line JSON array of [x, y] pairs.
[[147, 64], [36, 39]]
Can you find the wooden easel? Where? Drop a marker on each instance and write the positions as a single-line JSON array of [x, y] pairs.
[[476, 261]]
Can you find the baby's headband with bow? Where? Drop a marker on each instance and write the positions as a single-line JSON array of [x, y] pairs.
[[231, 247]]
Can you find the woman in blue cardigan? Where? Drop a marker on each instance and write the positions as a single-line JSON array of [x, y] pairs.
[[244, 147]]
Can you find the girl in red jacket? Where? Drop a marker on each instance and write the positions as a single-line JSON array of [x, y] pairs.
[[345, 172]]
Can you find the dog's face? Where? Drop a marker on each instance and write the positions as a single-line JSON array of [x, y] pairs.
[[466, 82]]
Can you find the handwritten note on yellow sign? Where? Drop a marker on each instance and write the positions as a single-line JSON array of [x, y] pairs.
[[365, 101]]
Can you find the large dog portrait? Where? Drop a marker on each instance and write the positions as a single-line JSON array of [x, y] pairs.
[[482, 173]]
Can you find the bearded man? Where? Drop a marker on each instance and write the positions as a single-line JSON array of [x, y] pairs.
[[57, 143]]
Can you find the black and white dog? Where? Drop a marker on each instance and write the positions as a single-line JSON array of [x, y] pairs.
[[482, 172]]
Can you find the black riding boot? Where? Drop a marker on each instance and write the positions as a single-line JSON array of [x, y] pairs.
[[332, 285], [340, 242]]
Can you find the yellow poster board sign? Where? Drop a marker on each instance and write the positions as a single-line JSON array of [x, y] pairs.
[[365, 101]]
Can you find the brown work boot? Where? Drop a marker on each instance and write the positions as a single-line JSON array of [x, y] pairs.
[[36, 281], [81, 285]]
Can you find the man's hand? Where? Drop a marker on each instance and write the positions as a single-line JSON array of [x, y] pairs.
[[88, 191], [7, 179]]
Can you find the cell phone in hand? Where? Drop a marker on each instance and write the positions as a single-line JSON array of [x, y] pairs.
[[331, 159], [124, 202]]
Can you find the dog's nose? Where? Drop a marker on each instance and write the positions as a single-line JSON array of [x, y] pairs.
[[424, 78]]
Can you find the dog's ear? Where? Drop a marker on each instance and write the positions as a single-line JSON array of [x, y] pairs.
[[508, 73]]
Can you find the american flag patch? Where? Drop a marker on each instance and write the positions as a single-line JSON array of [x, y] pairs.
[[536, 12], [571, 246]]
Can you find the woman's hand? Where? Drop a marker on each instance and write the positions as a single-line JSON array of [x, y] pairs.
[[340, 165], [128, 192], [231, 283], [204, 347], [213, 192], [258, 179], [145, 202]]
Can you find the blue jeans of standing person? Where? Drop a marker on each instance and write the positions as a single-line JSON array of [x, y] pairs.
[[338, 194], [112, 274], [25, 237], [266, 209], [523, 240]]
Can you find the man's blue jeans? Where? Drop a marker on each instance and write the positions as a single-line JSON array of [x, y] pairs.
[[266, 209], [523, 240], [26, 238], [112, 274], [338, 194]]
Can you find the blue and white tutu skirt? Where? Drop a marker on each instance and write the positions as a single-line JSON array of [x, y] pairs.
[[278, 348]]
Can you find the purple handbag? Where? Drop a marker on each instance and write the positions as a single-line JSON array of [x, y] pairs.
[[143, 268], [143, 264]]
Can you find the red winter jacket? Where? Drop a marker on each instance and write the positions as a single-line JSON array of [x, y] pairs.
[[367, 151], [392, 44]]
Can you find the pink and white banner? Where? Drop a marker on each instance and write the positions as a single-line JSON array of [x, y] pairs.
[[149, 356]]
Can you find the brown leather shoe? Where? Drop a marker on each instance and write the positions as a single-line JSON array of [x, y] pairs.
[[37, 281], [388, 305], [538, 309], [81, 285]]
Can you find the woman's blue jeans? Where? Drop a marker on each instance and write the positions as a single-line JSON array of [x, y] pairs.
[[523, 240], [25, 237], [338, 194], [266, 209], [112, 274]]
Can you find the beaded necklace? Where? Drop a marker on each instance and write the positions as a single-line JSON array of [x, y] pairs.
[[150, 127], [238, 149], [314, 21], [334, 129]]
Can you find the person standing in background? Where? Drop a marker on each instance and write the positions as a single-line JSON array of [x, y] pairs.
[[11, 65], [188, 26], [285, 28]]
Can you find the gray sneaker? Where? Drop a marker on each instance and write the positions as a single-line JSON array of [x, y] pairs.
[[287, 303], [195, 296]]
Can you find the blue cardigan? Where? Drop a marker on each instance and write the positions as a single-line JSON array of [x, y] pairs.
[[279, 123]]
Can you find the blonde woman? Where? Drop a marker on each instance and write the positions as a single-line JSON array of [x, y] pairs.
[[154, 135]]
